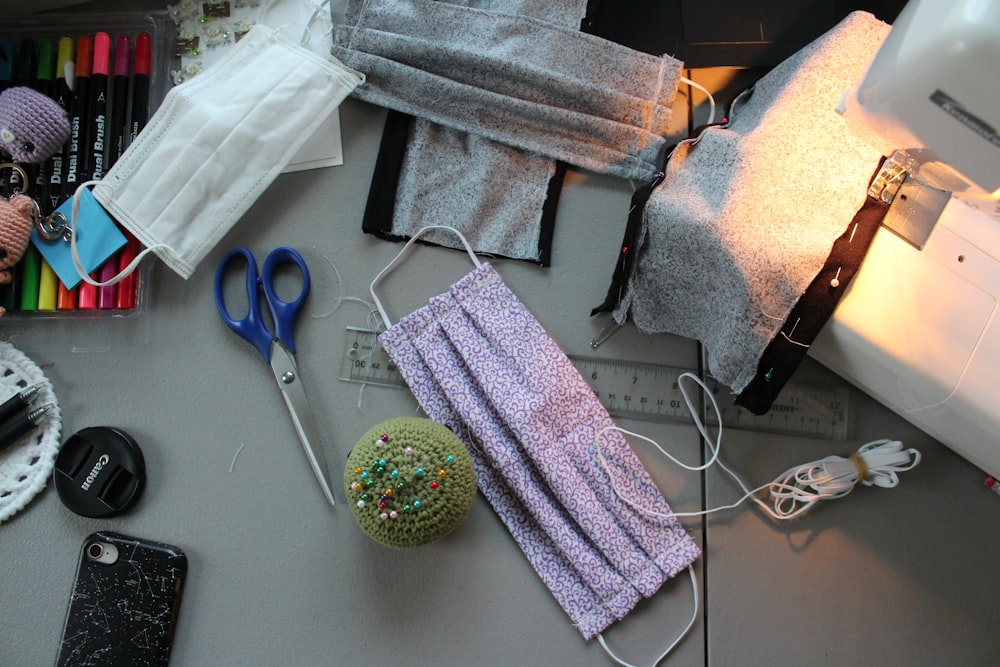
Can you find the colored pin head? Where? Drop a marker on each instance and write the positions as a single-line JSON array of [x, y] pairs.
[[410, 481]]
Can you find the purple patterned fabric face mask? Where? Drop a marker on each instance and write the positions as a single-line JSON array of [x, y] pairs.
[[479, 362]]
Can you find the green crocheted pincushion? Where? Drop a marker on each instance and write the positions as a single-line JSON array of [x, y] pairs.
[[409, 481]]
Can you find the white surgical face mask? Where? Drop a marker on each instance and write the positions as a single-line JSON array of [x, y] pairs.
[[216, 142]]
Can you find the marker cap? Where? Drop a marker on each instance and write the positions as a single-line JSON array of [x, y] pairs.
[[99, 472], [123, 55], [102, 53], [143, 53]]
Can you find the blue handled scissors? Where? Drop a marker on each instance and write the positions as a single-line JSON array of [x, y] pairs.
[[278, 346]]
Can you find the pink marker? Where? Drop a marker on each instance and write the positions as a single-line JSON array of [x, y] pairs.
[[128, 288], [98, 123], [107, 296]]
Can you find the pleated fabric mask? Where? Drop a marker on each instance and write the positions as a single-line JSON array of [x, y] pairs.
[[480, 363], [526, 83]]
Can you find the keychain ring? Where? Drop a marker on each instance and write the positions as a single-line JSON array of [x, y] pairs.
[[52, 226], [19, 170]]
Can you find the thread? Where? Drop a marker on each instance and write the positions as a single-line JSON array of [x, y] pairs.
[[798, 489]]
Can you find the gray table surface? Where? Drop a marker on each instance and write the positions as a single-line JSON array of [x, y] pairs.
[[889, 577]]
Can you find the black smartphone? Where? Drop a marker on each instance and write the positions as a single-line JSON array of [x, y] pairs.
[[124, 604]]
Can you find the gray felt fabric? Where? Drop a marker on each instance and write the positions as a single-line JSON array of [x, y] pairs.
[[526, 83], [749, 212], [491, 192], [567, 13]]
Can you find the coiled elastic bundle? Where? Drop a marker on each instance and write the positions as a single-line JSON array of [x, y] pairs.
[[877, 463], [794, 492]]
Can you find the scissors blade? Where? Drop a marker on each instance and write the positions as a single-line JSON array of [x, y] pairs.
[[287, 375]]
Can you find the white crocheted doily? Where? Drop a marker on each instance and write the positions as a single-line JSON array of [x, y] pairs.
[[25, 466]]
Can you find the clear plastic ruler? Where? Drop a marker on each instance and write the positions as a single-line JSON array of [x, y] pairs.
[[366, 362], [646, 391], [649, 392]]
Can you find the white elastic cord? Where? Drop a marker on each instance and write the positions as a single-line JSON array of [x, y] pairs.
[[341, 299], [78, 263], [711, 100], [317, 9], [267, 5], [391, 265], [673, 644], [794, 492]]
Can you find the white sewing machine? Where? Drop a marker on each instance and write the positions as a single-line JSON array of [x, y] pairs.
[[919, 328]]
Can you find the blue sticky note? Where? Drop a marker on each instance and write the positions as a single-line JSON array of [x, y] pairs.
[[97, 239]]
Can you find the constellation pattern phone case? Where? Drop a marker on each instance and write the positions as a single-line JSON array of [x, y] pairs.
[[124, 604]]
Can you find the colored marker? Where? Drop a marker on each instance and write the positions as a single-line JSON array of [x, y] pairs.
[[45, 82], [64, 96], [48, 287], [31, 261], [79, 122], [128, 288], [140, 85], [26, 63], [99, 105], [31, 268], [6, 64], [120, 100], [66, 299], [8, 292], [107, 296], [7, 56], [87, 294], [25, 69], [96, 118], [65, 73]]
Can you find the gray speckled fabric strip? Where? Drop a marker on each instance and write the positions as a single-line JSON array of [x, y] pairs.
[[494, 194], [531, 84]]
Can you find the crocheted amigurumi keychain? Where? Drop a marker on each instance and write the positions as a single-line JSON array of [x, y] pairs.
[[410, 481], [17, 217], [32, 125]]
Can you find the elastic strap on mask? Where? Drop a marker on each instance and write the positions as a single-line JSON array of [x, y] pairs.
[[396, 260], [673, 644], [794, 492], [78, 263], [306, 30]]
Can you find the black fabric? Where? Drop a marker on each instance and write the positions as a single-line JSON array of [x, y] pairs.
[[381, 202], [726, 33], [625, 262], [812, 311], [548, 221]]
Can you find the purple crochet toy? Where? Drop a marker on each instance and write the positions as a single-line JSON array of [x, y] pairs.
[[32, 125]]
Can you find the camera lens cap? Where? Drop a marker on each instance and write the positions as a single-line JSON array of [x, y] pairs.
[[99, 472]]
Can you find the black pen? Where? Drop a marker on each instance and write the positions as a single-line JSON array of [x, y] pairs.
[[19, 402], [14, 429]]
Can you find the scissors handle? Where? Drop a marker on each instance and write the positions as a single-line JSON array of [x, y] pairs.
[[252, 326], [285, 312]]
